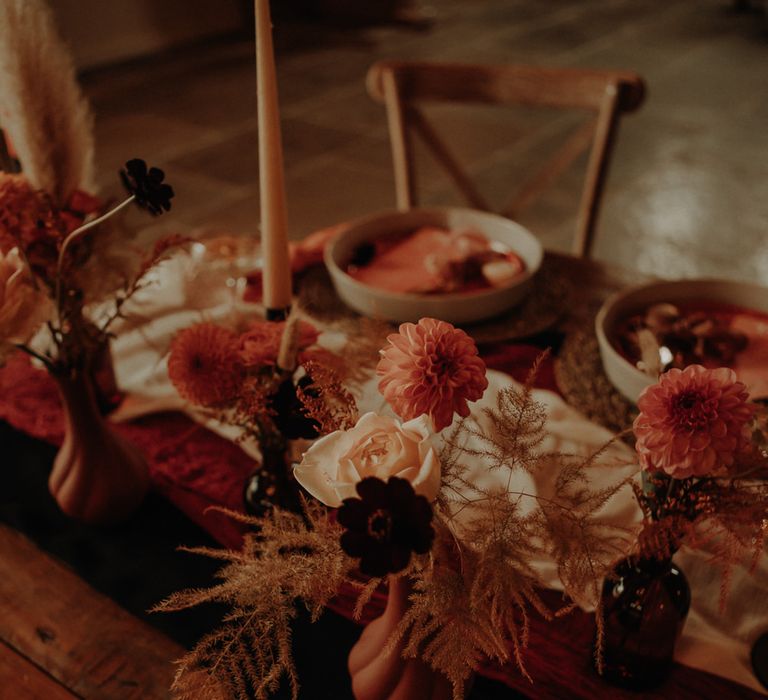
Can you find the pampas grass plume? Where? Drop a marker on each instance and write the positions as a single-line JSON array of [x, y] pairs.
[[42, 110]]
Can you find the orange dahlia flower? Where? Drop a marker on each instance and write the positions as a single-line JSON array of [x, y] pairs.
[[204, 365], [431, 368], [26, 214], [260, 344], [692, 421]]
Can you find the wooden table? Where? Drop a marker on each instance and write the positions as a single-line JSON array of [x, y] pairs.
[[59, 638]]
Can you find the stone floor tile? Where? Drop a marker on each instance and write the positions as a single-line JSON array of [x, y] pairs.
[[122, 136], [688, 188], [329, 192], [234, 160]]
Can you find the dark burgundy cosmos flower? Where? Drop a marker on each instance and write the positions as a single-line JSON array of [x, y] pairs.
[[147, 186], [386, 524]]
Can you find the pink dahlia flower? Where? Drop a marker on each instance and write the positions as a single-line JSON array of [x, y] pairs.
[[692, 422], [431, 368]]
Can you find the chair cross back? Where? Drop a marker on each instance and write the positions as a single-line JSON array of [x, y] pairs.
[[402, 85]]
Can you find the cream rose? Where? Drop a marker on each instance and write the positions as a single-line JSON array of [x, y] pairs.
[[377, 446], [23, 309]]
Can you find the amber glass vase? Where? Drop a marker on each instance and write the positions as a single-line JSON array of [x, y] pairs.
[[645, 605]]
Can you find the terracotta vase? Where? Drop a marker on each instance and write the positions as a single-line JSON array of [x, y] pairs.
[[98, 477], [102, 372], [380, 676]]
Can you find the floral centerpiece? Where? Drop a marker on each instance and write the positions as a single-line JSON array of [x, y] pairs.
[[391, 499], [702, 449], [701, 445], [59, 299], [48, 267], [263, 380], [66, 268]]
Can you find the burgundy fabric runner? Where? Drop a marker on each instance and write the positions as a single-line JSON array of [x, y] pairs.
[[189, 465], [195, 469]]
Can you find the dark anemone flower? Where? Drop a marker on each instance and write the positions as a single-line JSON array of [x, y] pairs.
[[386, 524], [147, 186]]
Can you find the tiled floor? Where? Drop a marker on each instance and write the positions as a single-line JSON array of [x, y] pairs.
[[688, 190]]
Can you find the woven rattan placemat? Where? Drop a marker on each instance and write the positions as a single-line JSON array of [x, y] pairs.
[[580, 375], [541, 308]]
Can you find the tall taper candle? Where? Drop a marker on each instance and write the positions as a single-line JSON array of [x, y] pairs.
[[274, 227]]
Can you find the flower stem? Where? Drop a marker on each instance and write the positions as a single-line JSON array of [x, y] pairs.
[[74, 235], [46, 361], [668, 496], [94, 222]]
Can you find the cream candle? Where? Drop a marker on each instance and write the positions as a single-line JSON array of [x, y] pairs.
[[274, 227]]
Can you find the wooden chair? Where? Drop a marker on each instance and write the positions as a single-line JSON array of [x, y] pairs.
[[404, 87]]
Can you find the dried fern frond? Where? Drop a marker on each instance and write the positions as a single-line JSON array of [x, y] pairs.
[[366, 593], [326, 400], [442, 628], [502, 530], [509, 437], [565, 526], [43, 111], [122, 289], [505, 586], [584, 549], [583, 545], [291, 557], [726, 518]]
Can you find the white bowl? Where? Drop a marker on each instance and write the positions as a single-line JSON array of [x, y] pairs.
[[629, 380], [461, 307]]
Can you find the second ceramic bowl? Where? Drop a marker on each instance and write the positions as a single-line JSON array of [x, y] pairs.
[[627, 378]]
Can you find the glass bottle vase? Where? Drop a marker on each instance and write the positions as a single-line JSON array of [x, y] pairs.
[[645, 604]]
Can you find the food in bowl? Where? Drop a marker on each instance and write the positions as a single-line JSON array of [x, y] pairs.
[[684, 322], [358, 242], [712, 334], [435, 260]]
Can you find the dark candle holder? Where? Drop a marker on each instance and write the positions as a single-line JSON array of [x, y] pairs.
[[272, 483], [277, 314]]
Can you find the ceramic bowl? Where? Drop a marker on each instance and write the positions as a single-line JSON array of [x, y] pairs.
[[461, 307], [629, 380]]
